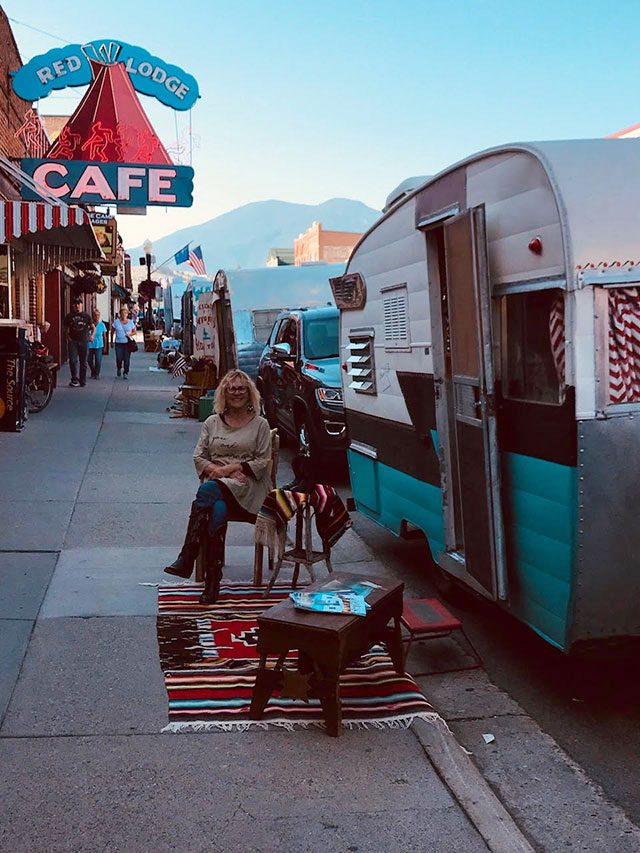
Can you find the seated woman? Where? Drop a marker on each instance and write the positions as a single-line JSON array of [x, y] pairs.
[[233, 460]]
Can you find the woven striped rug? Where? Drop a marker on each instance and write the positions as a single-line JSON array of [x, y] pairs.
[[209, 660]]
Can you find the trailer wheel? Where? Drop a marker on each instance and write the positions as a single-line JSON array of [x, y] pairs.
[[446, 587]]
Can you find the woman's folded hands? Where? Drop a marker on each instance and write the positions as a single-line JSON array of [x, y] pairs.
[[233, 471]]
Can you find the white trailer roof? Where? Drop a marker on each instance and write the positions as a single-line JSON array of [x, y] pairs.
[[596, 184]]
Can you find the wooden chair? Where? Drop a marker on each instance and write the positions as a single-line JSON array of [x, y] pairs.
[[153, 341], [246, 517], [196, 385]]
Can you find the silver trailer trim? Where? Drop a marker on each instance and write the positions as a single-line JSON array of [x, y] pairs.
[[364, 449]]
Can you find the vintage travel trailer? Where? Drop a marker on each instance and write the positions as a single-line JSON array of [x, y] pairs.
[[490, 328], [258, 295]]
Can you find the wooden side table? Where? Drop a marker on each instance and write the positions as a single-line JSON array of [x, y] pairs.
[[327, 644]]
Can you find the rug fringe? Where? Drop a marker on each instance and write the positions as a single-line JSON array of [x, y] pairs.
[[399, 722]]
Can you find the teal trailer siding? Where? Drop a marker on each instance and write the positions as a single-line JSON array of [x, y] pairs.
[[540, 501], [390, 497], [540, 507]]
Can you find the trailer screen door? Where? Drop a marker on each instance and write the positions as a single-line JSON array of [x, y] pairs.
[[472, 432]]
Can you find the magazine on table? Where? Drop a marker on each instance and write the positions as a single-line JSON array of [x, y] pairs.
[[335, 597]]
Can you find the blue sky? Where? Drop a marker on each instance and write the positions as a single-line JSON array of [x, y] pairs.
[[305, 101]]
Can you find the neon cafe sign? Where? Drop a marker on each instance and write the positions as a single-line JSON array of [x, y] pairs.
[[99, 158]]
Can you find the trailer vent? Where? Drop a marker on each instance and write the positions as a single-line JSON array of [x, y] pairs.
[[349, 291], [395, 306], [361, 362]]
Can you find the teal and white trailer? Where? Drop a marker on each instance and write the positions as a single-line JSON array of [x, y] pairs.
[[490, 331]]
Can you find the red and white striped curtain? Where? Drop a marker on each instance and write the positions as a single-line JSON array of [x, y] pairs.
[[624, 345], [556, 336]]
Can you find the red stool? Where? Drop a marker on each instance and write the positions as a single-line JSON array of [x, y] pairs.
[[428, 618]]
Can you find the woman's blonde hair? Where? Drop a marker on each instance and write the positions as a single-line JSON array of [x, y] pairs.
[[220, 402]]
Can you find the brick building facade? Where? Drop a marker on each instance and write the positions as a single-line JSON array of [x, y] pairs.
[[37, 256], [316, 244], [12, 108]]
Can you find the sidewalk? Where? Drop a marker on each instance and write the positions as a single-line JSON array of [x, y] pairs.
[[94, 495]]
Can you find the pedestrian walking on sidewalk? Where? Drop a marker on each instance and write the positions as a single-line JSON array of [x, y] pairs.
[[79, 330], [125, 330], [96, 345]]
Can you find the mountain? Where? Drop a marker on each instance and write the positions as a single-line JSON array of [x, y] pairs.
[[242, 237]]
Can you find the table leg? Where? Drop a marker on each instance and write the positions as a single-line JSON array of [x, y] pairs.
[[326, 686], [393, 641], [274, 575], [258, 557], [267, 680]]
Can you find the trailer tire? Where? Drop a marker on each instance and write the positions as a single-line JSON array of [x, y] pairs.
[[447, 587]]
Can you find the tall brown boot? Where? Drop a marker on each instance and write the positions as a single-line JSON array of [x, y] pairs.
[[213, 566], [198, 520]]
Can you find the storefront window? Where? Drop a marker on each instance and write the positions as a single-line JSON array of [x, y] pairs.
[[533, 346]]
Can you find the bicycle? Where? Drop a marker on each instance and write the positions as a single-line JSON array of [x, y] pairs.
[[39, 378]]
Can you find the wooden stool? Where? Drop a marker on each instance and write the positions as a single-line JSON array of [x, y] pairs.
[[428, 618], [302, 553]]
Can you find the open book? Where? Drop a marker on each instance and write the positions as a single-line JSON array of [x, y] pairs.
[[335, 597]]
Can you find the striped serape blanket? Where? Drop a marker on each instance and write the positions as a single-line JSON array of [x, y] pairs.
[[280, 505]]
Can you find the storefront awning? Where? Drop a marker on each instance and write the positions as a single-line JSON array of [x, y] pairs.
[[63, 226]]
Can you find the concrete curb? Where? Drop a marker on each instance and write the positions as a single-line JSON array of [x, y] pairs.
[[483, 808]]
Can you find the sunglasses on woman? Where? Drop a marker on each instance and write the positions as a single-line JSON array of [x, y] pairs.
[[237, 389]]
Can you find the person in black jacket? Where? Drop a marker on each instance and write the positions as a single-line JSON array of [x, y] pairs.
[[79, 329]]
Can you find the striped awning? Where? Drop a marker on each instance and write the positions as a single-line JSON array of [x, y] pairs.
[[20, 218]]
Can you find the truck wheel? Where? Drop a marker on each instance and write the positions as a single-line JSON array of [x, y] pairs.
[[306, 443]]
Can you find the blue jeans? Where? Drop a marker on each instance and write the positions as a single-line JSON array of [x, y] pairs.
[[123, 357], [95, 360], [210, 494], [78, 354]]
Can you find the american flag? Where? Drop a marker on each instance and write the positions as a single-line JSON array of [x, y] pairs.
[[179, 366], [196, 261]]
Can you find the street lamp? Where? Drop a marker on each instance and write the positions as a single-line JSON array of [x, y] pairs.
[[147, 248]]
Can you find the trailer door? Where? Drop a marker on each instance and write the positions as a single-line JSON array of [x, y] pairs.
[[472, 427]]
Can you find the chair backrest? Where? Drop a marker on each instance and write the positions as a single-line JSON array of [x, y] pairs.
[[275, 451]]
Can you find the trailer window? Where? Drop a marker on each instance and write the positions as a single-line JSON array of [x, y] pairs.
[[361, 361], [395, 312], [533, 346], [624, 345]]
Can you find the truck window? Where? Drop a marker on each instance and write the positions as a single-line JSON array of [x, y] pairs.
[[288, 334], [321, 338], [273, 337], [533, 346]]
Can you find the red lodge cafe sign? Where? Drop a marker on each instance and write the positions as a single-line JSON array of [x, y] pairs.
[[103, 183], [108, 152]]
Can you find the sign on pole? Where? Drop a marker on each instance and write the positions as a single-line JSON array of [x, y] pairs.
[[206, 343]]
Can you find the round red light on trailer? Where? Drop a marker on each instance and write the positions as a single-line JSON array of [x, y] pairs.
[[344, 366], [535, 246]]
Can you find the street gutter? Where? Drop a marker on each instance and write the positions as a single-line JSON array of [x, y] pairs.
[[471, 790]]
